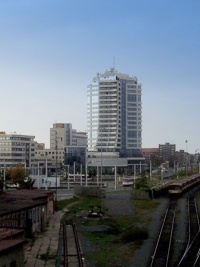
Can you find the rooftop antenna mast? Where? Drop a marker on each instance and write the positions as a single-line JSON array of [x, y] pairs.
[[113, 62]]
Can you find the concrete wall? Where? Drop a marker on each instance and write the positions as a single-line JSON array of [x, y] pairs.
[[16, 254], [39, 220], [42, 181]]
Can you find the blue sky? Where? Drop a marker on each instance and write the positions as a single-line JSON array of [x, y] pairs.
[[51, 49]]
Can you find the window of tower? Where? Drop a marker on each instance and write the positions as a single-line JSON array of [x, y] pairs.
[[132, 98], [132, 134]]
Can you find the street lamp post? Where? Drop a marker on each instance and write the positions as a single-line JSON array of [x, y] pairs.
[[38, 172], [74, 170], [186, 167], [101, 156], [197, 159], [68, 177], [46, 165], [150, 169], [115, 177], [86, 178], [81, 175], [101, 164], [4, 176], [134, 166], [56, 170], [97, 174], [177, 169]]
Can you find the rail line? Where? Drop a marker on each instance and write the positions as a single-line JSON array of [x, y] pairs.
[[161, 253], [193, 227], [72, 255], [191, 255]]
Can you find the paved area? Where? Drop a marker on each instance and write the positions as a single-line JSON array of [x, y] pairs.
[[45, 245]]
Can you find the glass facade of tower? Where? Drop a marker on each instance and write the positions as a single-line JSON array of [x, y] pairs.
[[92, 115], [114, 114], [131, 111]]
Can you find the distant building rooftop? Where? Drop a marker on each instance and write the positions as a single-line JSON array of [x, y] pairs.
[[150, 150]]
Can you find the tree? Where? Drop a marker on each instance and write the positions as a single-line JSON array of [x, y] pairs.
[[156, 160], [19, 177], [141, 183]]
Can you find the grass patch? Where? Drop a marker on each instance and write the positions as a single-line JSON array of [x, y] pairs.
[[76, 205], [102, 258], [118, 256], [144, 210], [122, 230], [84, 203], [102, 238], [144, 205], [61, 204]]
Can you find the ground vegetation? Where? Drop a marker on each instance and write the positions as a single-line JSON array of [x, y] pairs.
[[110, 240]]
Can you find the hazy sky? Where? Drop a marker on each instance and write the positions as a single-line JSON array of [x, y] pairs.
[[51, 49]]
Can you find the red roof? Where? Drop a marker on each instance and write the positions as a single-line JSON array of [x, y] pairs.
[[9, 233], [150, 150], [16, 200]]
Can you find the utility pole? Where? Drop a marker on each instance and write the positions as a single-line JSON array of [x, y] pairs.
[[56, 140], [4, 176], [101, 156], [186, 167]]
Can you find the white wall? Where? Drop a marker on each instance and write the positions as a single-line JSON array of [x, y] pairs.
[[42, 181]]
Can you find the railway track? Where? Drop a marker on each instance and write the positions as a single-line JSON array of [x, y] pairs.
[[191, 256], [162, 250], [72, 255], [193, 227]]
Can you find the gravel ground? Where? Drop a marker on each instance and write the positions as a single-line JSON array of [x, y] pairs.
[[118, 204]]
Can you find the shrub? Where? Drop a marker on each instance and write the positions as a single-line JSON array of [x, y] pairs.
[[134, 234]]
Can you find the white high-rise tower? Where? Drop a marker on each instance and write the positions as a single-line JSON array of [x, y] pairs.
[[114, 114]]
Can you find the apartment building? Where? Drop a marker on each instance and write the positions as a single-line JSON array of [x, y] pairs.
[[167, 152], [15, 149]]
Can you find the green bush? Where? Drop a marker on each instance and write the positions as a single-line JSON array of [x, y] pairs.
[[61, 204]]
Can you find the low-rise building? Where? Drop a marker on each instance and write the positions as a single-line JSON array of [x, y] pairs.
[[11, 252], [26, 209], [150, 154]]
